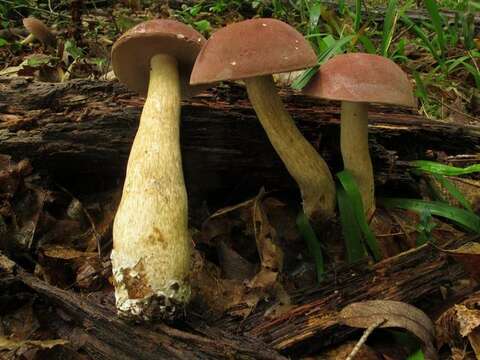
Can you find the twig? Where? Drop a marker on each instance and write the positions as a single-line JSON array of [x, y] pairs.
[[364, 338], [36, 9]]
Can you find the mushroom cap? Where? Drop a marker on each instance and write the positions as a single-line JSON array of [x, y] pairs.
[[132, 52], [360, 77], [252, 48], [40, 31]]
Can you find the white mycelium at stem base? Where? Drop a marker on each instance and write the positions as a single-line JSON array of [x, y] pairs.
[[300, 158], [151, 244], [355, 153]]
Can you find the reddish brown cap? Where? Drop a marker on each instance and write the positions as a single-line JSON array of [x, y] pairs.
[[40, 31], [252, 48], [132, 52], [359, 77]]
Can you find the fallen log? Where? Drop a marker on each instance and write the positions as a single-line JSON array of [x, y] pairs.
[[82, 131], [104, 336], [415, 277]]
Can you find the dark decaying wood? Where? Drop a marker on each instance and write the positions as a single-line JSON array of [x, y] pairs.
[[105, 337], [84, 129], [415, 277]]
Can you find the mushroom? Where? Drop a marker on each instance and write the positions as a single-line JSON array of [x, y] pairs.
[[253, 50], [38, 30], [151, 253], [356, 80]]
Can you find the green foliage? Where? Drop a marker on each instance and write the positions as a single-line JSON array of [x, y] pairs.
[[328, 48], [389, 24], [313, 245], [442, 169], [464, 218], [203, 26], [72, 50], [425, 227], [350, 229], [358, 221]]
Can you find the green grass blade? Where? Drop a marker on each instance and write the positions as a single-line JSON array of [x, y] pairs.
[[302, 80], [314, 15], [335, 48], [442, 169], [389, 24], [358, 15], [350, 229], [367, 44], [420, 89], [437, 21], [417, 355], [454, 191], [313, 244], [462, 217], [351, 189], [475, 73], [421, 34]]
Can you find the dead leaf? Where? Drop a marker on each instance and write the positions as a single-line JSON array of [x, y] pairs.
[[469, 256], [474, 339], [64, 253], [396, 314], [233, 265], [11, 344], [271, 255], [468, 319]]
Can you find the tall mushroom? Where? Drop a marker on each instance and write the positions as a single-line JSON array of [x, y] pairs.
[[252, 51], [151, 244], [38, 30], [356, 80]]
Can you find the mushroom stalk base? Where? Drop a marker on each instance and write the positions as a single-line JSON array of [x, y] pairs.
[[302, 161], [355, 153], [151, 244]]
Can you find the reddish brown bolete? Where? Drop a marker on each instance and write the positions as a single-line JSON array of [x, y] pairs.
[[151, 244], [356, 80], [253, 50], [38, 30]]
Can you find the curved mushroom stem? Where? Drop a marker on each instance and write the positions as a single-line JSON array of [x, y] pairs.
[[355, 153], [28, 39], [300, 158], [151, 244]]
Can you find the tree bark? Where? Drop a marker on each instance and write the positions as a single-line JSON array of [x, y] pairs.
[[104, 336], [83, 130], [415, 277]]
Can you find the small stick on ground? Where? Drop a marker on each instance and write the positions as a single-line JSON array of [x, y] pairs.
[[364, 338]]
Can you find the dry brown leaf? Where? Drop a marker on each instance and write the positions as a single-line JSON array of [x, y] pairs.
[[468, 319], [233, 265], [12, 344], [65, 253], [271, 255], [474, 339], [395, 314], [469, 256]]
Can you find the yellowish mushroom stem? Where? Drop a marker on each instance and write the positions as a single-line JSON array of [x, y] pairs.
[[151, 243], [302, 161], [355, 153], [28, 39]]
